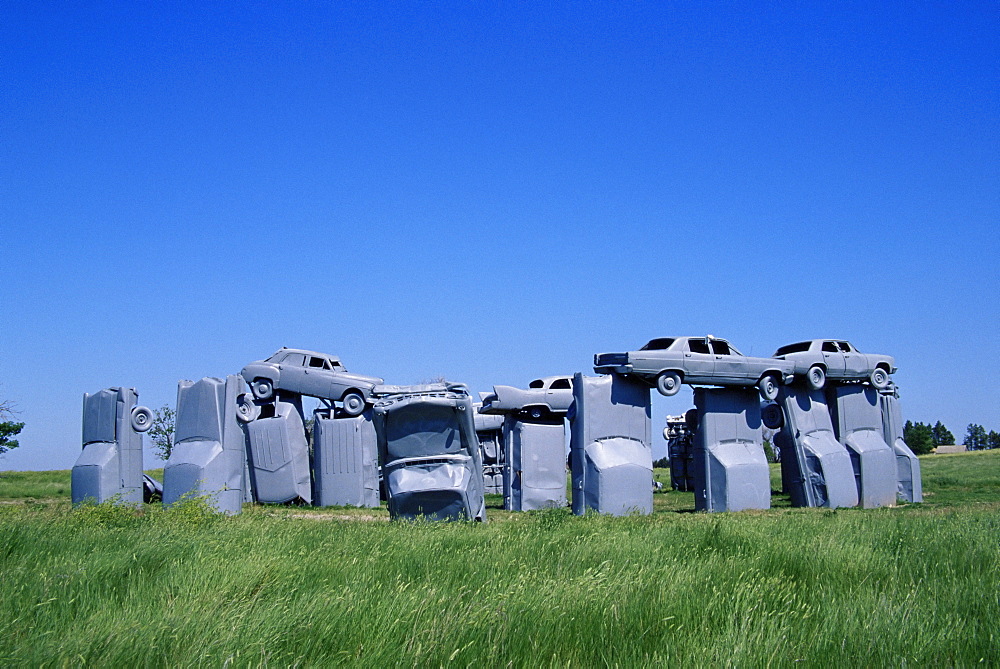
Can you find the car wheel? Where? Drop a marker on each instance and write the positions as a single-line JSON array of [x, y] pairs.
[[769, 386], [816, 377], [246, 410], [668, 383], [535, 412], [354, 403], [141, 419], [262, 388], [879, 378], [772, 417]]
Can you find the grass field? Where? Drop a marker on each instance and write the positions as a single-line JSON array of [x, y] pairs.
[[912, 585]]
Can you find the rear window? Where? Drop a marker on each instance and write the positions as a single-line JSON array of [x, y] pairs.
[[800, 347], [658, 344], [537, 383]]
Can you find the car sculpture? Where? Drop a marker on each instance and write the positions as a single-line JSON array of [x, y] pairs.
[[819, 359], [310, 373], [667, 362], [544, 397]]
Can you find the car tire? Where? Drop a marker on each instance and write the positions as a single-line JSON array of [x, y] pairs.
[[262, 388], [668, 383], [535, 413], [141, 419], [769, 385], [354, 403], [772, 417], [879, 378], [816, 377], [246, 410]]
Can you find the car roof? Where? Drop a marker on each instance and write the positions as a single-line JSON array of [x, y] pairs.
[[284, 349]]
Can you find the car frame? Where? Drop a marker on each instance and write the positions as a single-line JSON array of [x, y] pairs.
[[819, 359], [310, 373], [667, 362], [549, 395]]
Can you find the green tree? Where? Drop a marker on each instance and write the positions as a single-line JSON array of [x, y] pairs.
[[942, 436], [993, 439], [161, 431], [919, 437], [975, 437], [8, 428]]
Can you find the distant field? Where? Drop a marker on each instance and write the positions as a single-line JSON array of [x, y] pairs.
[[912, 585]]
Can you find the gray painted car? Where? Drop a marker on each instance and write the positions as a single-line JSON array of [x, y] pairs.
[[545, 396], [820, 359], [310, 373], [667, 362]]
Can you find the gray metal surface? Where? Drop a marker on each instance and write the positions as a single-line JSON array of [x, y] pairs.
[[210, 445], [816, 469], [666, 362], [110, 466], [310, 373], [279, 452], [345, 461], [535, 471], [489, 430], [429, 452], [909, 487], [544, 398], [819, 359], [610, 453], [730, 469], [857, 422]]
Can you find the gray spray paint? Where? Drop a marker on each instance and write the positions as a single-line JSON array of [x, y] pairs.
[[909, 487], [279, 452], [345, 461], [489, 430], [210, 445], [535, 471], [610, 454], [730, 468], [816, 468], [110, 466], [429, 452], [857, 422]]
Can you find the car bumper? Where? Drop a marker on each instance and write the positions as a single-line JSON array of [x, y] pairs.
[[613, 369]]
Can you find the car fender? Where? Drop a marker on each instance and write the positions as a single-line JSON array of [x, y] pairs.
[[257, 371]]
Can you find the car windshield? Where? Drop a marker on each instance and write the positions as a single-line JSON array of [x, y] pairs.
[[658, 344]]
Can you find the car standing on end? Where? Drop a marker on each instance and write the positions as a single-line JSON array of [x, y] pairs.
[[546, 396], [820, 359], [667, 362], [310, 373]]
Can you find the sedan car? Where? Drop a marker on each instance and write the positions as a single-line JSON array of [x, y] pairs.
[[310, 373], [545, 396], [819, 359], [668, 362]]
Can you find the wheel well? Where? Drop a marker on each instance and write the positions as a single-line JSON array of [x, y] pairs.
[[675, 371], [773, 372], [884, 366], [351, 390], [821, 365]]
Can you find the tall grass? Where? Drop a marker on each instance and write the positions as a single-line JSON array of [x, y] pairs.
[[152, 587]]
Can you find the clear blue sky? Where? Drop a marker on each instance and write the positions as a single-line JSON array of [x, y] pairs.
[[491, 192]]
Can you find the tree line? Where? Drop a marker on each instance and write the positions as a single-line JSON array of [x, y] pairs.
[[923, 437]]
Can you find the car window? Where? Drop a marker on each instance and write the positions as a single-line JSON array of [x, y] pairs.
[[658, 344], [537, 383], [846, 347], [698, 345], [294, 359], [830, 347], [720, 347], [799, 347], [561, 384], [317, 363]]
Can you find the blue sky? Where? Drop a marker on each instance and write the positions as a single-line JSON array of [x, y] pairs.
[[491, 192]]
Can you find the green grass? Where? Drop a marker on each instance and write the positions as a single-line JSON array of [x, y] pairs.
[[912, 585]]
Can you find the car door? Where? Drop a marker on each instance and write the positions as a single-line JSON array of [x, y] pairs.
[[699, 361], [855, 364], [729, 366], [833, 358], [559, 393], [316, 376], [292, 374]]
